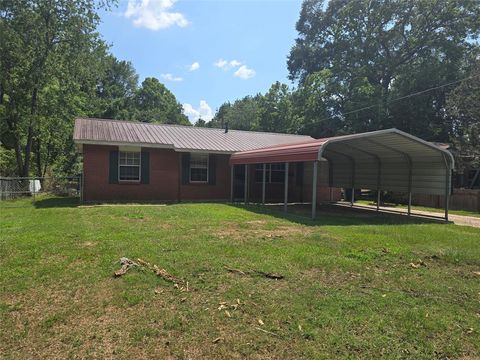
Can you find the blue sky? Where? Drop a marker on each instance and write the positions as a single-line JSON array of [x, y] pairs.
[[205, 52]]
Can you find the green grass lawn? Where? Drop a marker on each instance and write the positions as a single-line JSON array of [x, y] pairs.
[[349, 290], [421, 208]]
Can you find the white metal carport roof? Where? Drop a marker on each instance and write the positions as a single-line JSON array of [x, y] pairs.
[[381, 160]]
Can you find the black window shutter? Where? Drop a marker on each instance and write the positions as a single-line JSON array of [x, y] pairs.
[[113, 167], [299, 176], [212, 169], [185, 168], [145, 161]]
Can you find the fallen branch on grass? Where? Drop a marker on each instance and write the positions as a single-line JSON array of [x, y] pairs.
[[126, 265], [164, 274], [266, 331], [262, 273], [269, 275], [236, 271]]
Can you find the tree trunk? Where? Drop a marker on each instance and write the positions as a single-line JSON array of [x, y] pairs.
[[38, 159], [28, 145]]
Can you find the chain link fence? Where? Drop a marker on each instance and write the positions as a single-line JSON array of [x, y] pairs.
[[23, 191]]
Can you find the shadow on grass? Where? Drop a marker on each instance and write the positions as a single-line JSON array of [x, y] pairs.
[[57, 202], [338, 215]]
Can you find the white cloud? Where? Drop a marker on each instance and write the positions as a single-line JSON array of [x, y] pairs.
[[235, 63], [227, 65], [154, 14], [244, 72], [204, 111], [194, 66], [170, 77], [220, 63]]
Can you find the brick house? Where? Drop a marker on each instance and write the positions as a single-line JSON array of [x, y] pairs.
[[131, 161]]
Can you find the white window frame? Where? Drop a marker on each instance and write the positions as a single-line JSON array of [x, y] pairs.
[[139, 166], [198, 167]]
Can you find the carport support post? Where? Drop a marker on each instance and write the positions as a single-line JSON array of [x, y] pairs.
[[286, 188], [353, 182], [378, 199], [246, 184], [409, 203], [447, 188], [314, 189], [231, 182], [409, 185], [264, 179]]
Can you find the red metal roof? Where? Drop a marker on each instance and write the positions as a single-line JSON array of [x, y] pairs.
[[180, 138], [305, 151]]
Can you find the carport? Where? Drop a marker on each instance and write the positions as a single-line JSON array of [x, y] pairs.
[[383, 160]]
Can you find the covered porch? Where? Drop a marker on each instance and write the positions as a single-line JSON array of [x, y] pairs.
[[384, 160]]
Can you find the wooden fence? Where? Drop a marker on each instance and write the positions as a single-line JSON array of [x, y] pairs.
[[461, 199]]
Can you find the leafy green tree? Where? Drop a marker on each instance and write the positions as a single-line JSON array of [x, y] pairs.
[[153, 102], [44, 45], [243, 114], [200, 123], [315, 109], [220, 117], [378, 51], [275, 109], [463, 106], [115, 89]]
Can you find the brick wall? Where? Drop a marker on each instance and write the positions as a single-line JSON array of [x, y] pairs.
[[165, 181], [219, 191], [163, 184]]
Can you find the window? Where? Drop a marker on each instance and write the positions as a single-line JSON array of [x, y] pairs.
[[129, 166], [274, 173], [259, 173], [277, 173], [198, 167]]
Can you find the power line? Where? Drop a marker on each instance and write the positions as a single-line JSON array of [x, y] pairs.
[[404, 97]]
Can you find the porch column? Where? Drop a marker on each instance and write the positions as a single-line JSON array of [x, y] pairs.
[[264, 179], [379, 181], [353, 183], [246, 184], [314, 189], [409, 203], [447, 188], [286, 188], [409, 186], [231, 182], [378, 199]]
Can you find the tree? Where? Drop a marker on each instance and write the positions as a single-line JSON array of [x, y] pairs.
[[378, 51], [200, 123], [463, 106], [315, 107], [243, 114], [115, 89], [153, 102], [46, 46], [220, 117], [275, 109]]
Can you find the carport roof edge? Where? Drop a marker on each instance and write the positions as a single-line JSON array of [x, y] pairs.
[[312, 150]]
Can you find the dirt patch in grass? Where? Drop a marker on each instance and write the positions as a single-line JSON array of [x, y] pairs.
[[261, 230], [86, 322], [89, 244]]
